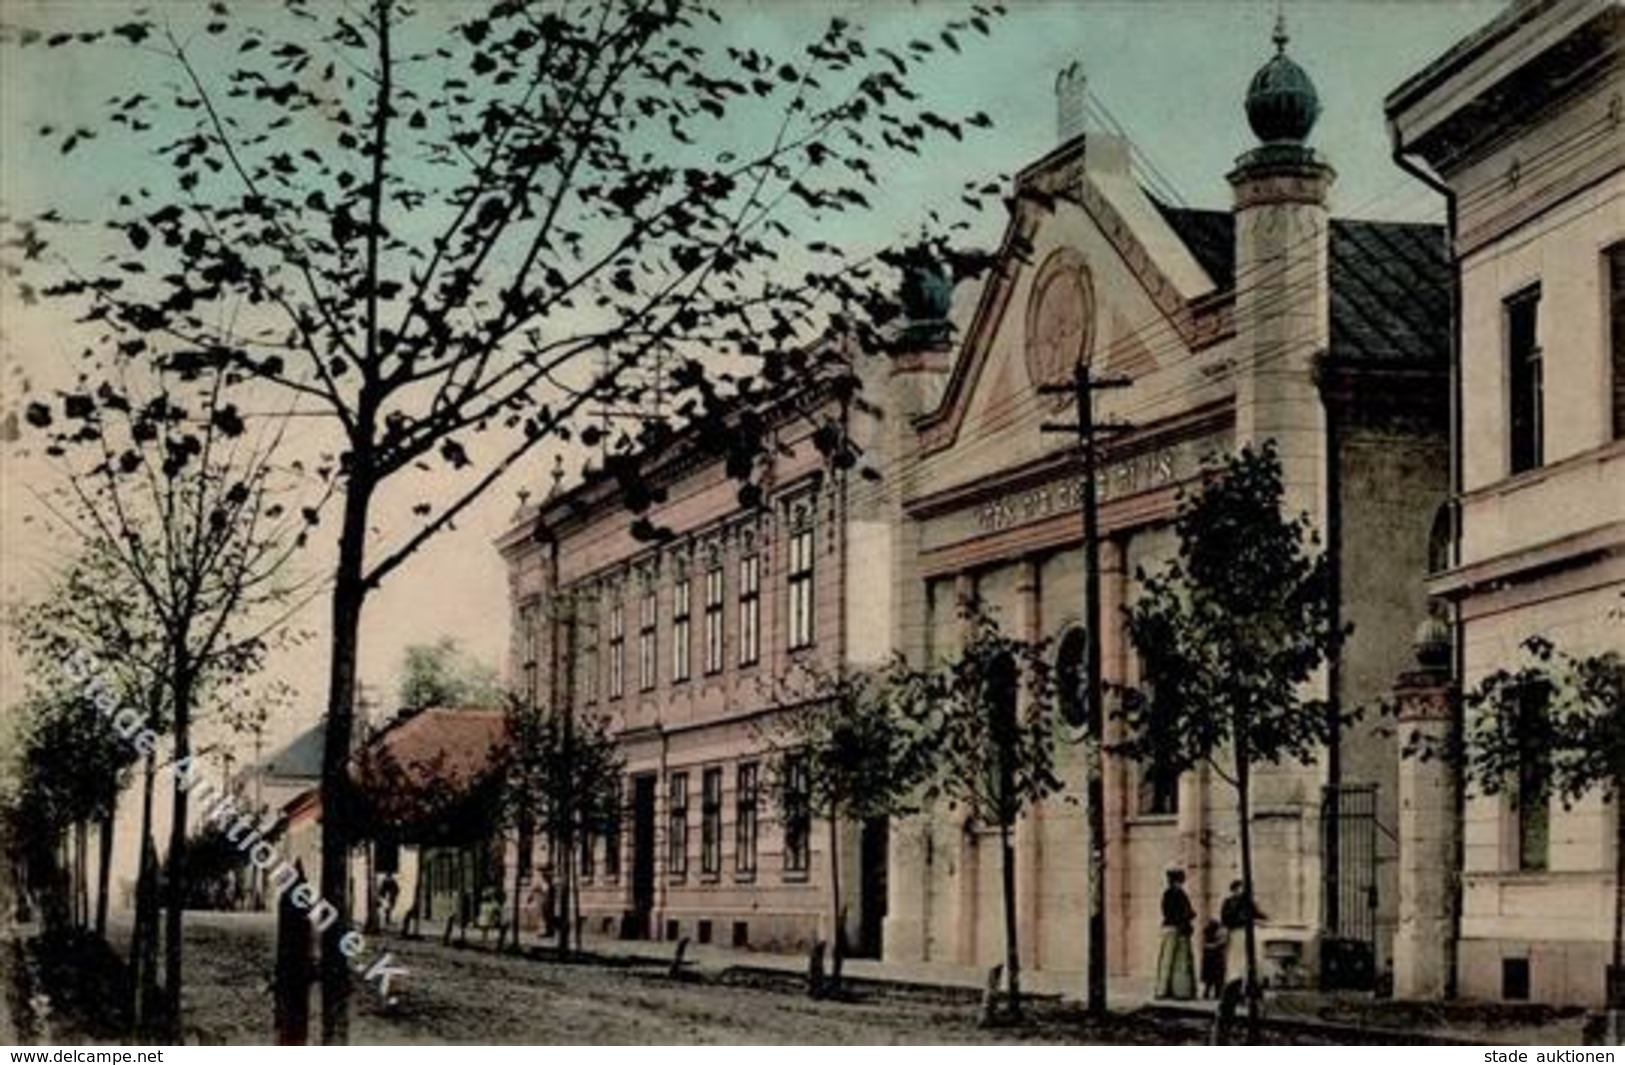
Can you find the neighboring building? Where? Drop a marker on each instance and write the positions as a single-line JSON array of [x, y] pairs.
[[688, 645], [1523, 123], [276, 780], [1271, 321]]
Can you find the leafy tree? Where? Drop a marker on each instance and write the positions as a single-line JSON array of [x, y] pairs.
[[1554, 727], [174, 505], [564, 780], [988, 717], [431, 223], [1231, 631], [858, 755], [443, 674]]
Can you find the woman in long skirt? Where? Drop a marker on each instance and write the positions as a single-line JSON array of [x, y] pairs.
[[1176, 966]]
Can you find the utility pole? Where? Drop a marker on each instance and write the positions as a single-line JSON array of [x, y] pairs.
[[1083, 388]]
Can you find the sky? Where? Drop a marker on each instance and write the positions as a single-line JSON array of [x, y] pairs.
[[1172, 73]]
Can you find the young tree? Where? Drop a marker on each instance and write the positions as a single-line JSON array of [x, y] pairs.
[[857, 755], [441, 220], [989, 723], [564, 781], [1555, 727], [1230, 632], [443, 674], [166, 488]]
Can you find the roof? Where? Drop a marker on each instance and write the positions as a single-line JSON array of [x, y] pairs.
[[302, 757], [443, 746], [1390, 281]]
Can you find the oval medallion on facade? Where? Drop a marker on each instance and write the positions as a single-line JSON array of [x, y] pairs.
[[1060, 319]]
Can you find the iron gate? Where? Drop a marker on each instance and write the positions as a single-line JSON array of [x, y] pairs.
[[1348, 825]]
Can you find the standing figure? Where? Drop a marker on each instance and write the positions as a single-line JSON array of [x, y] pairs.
[[1214, 941], [1233, 914], [388, 893], [1176, 970]]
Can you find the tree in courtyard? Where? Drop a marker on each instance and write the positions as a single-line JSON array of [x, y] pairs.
[[988, 718], [1553, 727], [848, 751], [1231, 632], [431, 223]]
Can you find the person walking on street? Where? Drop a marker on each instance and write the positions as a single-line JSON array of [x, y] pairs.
[[1233, 915]]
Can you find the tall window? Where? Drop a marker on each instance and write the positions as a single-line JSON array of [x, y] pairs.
[[1616, 331], [797, 816], [677, 825], [713, 618], [648, 617], [1159, 790], [529, 651], [681, 626], [617, 650], [1534, 768], [711, 822], [745, 820], [1526, 421], [750, 609], [612, 837], [586, 864], [800, 581], [589, 668]]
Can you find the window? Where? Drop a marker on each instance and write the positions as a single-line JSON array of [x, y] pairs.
[[797, 816], [1616, 331], [1526, 426], [648, 617], [1070, 674], [617, 650], [681, 614], [711, 822], [589, 668], [800, 582], [529, 638], [750, 609], [1159, 791], [713, 618], [1534, 768], [677, 825], [745, 820], [586, 864], [612, 837]]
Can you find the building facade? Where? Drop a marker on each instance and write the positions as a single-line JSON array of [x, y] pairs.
[[691, 646], [1522, 123], [1273, 321]]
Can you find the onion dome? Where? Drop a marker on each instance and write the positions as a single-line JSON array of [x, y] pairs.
[[1282, 104], [1432, 643]]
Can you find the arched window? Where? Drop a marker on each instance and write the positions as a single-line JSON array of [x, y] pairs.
[[1439, 540], [1070, 674]]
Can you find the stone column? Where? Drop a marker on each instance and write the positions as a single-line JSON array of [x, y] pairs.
[[1424, 951], [1028, 623], [1114, 667]]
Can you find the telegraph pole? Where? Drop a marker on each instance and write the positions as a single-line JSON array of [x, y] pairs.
[[1083, 388]]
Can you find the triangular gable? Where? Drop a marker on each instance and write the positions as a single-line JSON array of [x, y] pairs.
[[1062, 177]]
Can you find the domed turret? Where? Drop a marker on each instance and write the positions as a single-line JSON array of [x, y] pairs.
[[1282, 104]]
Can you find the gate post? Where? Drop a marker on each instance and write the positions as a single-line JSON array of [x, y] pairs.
[[1429, 822]]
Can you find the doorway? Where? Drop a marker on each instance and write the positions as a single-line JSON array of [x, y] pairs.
[[643, 856]]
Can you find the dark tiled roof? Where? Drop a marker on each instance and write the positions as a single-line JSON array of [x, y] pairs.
[[1390, 281]]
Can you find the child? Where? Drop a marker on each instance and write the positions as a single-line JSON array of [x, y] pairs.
[[1213, 947]]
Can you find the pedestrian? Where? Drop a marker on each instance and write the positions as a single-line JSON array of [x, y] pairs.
[[550, 904], [388, 893], [1176, 972], [1213, 948], [1237, 908]]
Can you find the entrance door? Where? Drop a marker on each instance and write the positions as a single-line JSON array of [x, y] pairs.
[[643, 854], [872, 885]]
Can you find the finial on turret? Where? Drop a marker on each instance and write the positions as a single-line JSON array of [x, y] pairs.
[[1280, 37]]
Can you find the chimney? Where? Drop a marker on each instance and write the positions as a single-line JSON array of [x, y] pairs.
[[1071, 96]]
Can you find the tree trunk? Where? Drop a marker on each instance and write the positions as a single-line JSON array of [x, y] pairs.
[[369, 924], [518, 882], [81, 874], [175, 882], [1012, 951], [349, 596], [566, 879], [1616, 982], [837, 941], [104, 871], [141, 959], [1244, 812]]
